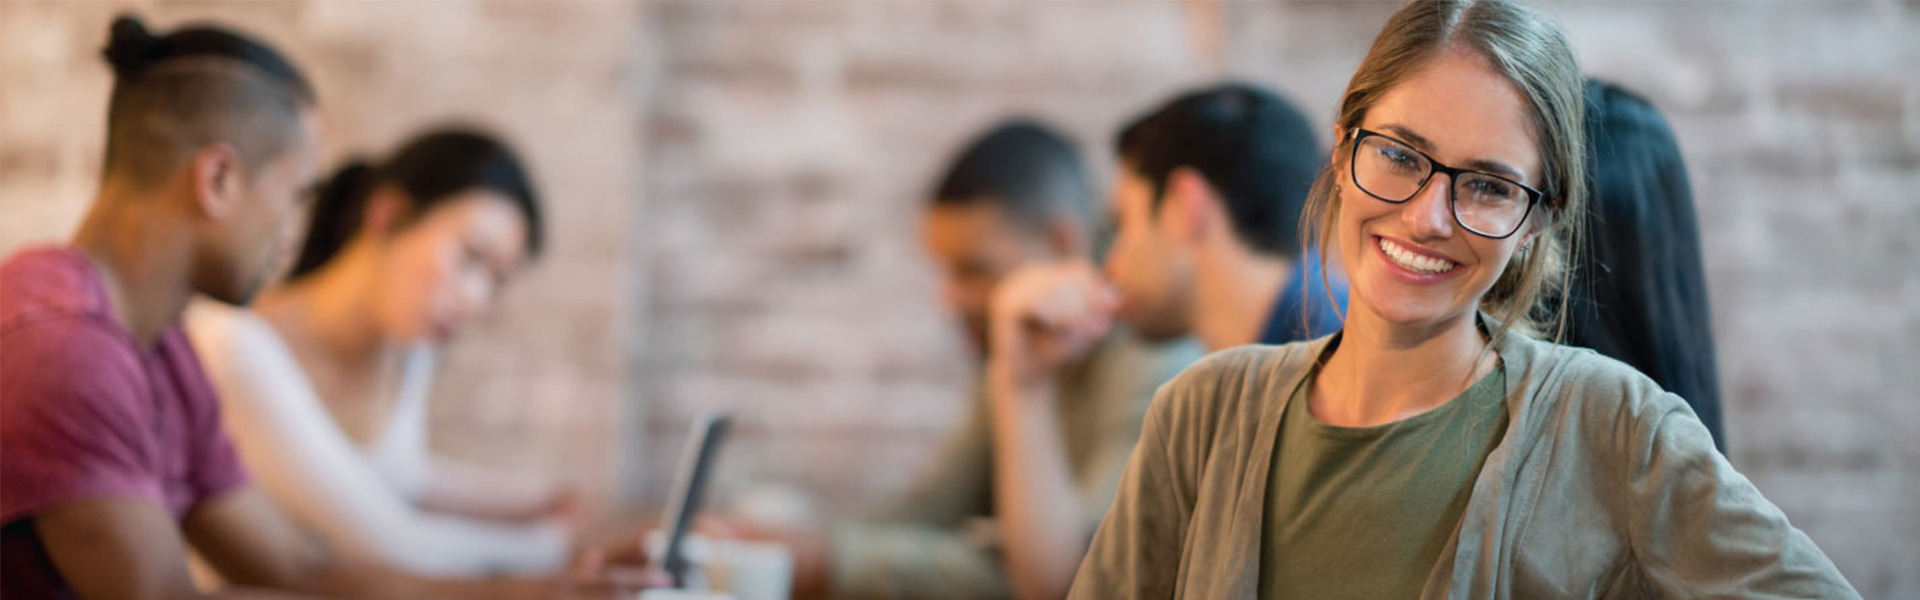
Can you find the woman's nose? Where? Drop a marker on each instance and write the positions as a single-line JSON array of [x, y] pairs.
[[1429, 213]]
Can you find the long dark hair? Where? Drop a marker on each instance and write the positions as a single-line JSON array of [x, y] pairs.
[[1641, 295], [430, 169]]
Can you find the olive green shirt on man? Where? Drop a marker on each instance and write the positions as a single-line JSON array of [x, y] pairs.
[[940, 542]]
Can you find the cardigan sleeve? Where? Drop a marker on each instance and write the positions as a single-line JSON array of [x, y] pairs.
[[1700, 529], [1136, 551]]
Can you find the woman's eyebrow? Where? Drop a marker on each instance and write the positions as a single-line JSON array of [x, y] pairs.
[[1497, 168], [1478, 164], [1418, 141]]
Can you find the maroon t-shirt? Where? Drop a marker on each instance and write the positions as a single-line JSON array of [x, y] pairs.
[[87, 413]]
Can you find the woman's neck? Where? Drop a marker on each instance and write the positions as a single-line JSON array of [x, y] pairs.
[[327, 314], [1384, 372]]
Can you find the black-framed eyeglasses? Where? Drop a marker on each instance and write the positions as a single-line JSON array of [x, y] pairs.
[[1486, 204]]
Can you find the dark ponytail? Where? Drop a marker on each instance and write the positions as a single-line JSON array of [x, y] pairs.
[[338, 209], [429, 170]]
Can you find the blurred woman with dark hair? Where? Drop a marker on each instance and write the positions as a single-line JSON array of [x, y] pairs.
[[325, 386], [1640, 295]]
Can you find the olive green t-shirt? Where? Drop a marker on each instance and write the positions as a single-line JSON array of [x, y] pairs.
[[1363, 512]]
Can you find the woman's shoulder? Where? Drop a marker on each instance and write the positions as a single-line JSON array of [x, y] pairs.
[[214, 324], [1598, 388], [1592, 374], [1252, 359], [1236, 380], [236, 345]]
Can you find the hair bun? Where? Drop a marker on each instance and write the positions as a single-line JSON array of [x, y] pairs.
[[130, 47]]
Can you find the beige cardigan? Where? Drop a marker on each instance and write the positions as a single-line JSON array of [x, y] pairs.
[[1603, 486]]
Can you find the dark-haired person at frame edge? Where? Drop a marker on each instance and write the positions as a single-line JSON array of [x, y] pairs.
[[1437, 447], [324, 383], [115, 463], [1639, 293]]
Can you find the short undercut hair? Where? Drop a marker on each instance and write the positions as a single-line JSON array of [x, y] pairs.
[[1029, 170], [199, 85]]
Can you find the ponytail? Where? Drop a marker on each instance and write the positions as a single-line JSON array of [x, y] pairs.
[[337, 211], [429, 170]]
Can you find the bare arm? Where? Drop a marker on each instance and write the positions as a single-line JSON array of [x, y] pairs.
[[1042, 318], [468, 490], [302, 460], [251, 543], [123, 549], [1034, 495]]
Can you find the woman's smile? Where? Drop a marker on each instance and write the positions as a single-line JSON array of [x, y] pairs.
[[1414, 264]]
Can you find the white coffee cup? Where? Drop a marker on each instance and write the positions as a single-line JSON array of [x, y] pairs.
[[682, 595], [750, 570]]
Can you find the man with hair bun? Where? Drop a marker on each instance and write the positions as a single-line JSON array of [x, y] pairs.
[[115, 460]]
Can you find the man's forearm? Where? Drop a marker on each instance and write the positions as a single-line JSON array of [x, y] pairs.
[[1034, 496]]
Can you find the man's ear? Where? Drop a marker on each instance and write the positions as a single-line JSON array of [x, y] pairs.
[[216, 180], [1191, 207], [1066, 239]]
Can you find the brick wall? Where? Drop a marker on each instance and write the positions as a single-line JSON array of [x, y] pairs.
[[736, 186]]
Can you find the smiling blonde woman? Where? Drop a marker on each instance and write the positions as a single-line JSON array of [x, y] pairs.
[[1437, 447]]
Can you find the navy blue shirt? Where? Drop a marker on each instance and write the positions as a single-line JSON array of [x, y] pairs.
[[1305, 294]]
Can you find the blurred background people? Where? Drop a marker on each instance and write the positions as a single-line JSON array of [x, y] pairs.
[[1639, 293], [1207, 204], [1206, 210], [115, 460], [325, 382], [1007, 508]]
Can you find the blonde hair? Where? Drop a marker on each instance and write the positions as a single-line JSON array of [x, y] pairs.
[[1531, 52]]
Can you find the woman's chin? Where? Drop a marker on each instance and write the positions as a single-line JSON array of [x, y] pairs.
[[1409, 310]]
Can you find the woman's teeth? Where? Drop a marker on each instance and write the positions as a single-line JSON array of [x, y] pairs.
[[1410, 261]]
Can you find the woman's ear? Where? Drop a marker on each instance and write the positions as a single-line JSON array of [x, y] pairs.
[[1535, 226], [384, 212]]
